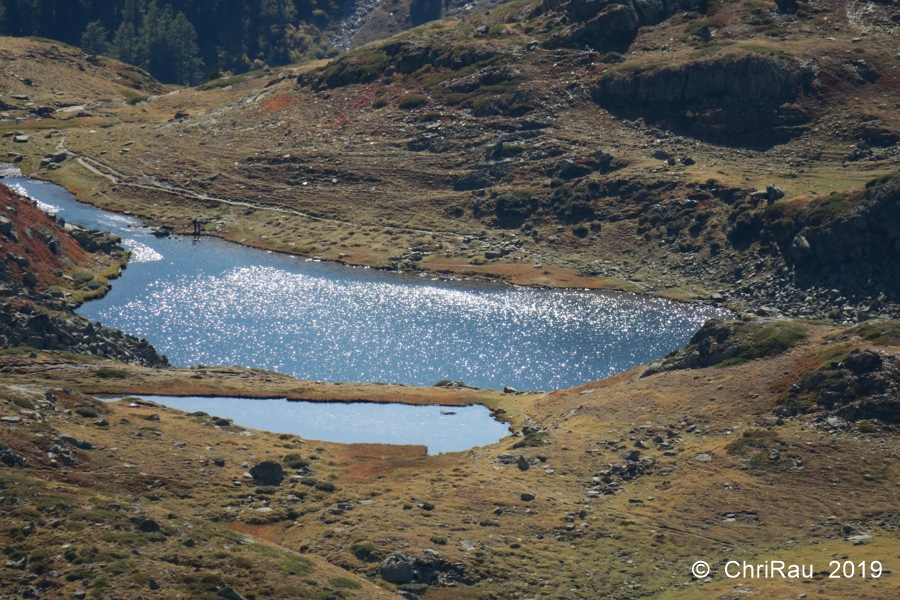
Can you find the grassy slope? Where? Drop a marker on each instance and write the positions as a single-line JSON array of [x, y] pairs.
[[386, 199], [646, 535]]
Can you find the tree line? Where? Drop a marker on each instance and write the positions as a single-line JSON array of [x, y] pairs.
[[183, 40]]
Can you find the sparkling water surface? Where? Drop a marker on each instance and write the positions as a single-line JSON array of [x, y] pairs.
[[358, 422], [213, 302]]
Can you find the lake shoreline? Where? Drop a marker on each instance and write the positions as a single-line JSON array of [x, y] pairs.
[[551, 277]]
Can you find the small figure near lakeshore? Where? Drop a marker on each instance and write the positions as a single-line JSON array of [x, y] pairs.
[[198, 226]]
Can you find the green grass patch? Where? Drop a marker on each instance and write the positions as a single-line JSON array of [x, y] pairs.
[[357, 66], [95, 516], [80, 575], [753, 439], [294, 461], [23, 403], [775, 339], [361, 546], [124, 538], [411, 101], [866, 426], [508, 149], [762, 341], [27, 513], [35, 38], [610, 57], [325, 486], [111, 373], [766, 50], [829, 208], [696, 26], [132, 97], [532, 440], [222, 82], [344, 583], [759, 460], [881, 333], [88, 412], [635, 68], [117, 568], [701, 50], [292, 564]]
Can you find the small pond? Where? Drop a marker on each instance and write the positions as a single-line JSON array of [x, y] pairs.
[[358, 422]]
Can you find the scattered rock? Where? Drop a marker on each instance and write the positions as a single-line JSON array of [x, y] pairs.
[[149, 526], [10, 458], [229, 594]]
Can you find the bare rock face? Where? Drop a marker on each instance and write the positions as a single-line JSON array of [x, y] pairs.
[[870, 233], [733, 80], [727, 87]]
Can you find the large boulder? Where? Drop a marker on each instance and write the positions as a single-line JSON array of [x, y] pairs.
[[425, 570], [267, 472], [399, 569]]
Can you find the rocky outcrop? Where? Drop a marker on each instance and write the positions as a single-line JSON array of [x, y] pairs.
[[429, 569], [367, 64], [725, 93], [614, 27], [736, 341], [27, 325], [745, 79], [9, 458], [867, 229], [713, 344], [865, 385], [93, 240], [606, 25]]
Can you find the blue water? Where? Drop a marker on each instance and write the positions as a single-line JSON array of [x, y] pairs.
[[359, 422], [217, 303]]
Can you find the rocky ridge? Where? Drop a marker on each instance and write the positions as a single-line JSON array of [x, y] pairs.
[[47, 269], [24, 324]]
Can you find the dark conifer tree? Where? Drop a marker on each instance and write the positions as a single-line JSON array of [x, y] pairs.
[[95, 38]]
